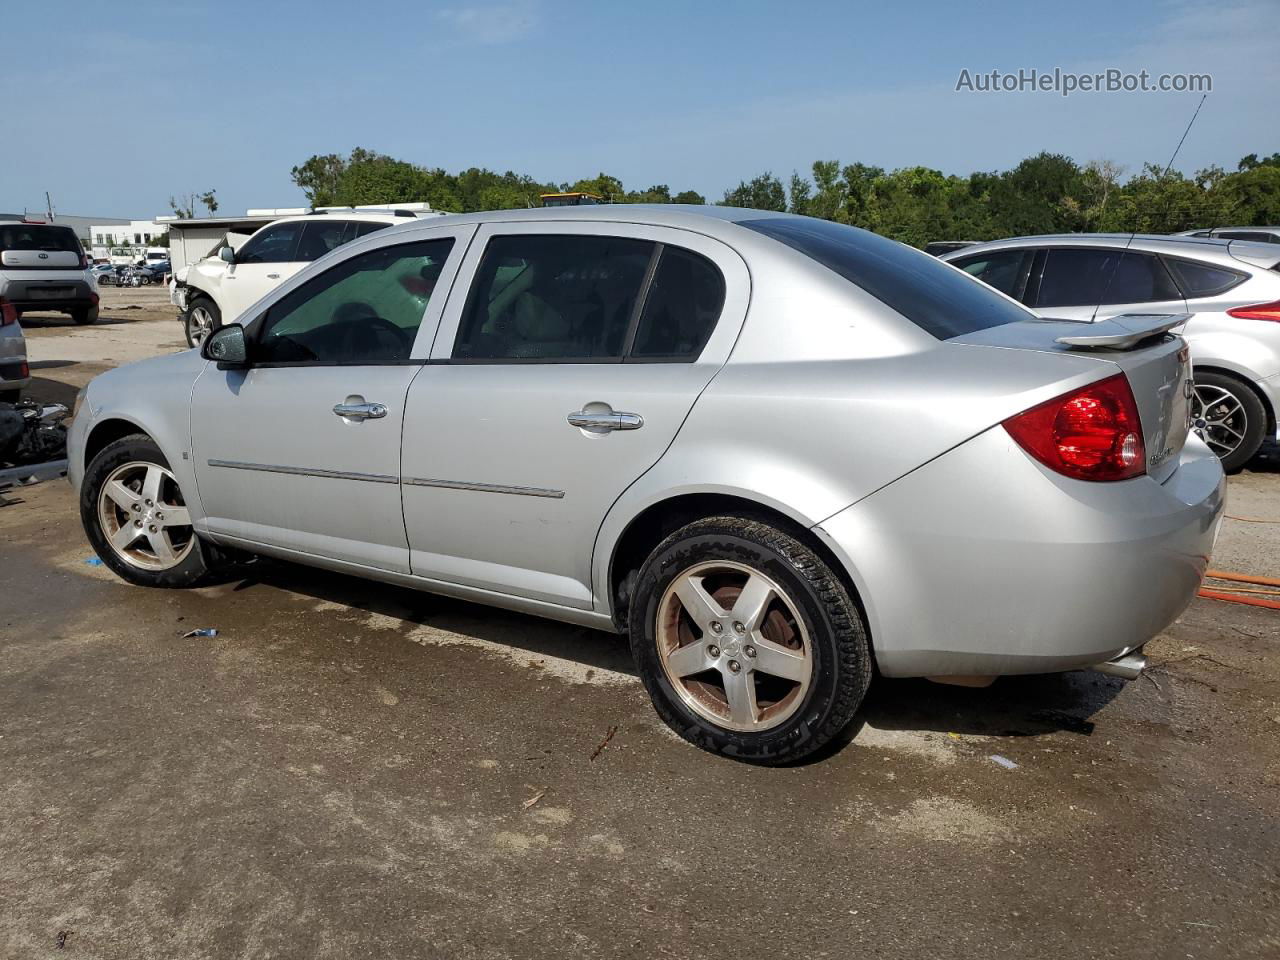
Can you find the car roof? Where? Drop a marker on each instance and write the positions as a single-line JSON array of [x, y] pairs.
[[1205, 248]]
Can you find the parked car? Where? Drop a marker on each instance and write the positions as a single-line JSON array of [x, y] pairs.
[[223, 286], [15, 374], [1231, 288], [43, 268], [1253, 234], [938, 247], [771, 449], [102, 272]]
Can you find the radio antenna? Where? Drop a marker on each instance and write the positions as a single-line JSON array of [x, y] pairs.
[[1168, 166]]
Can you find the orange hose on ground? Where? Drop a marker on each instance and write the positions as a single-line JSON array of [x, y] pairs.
[[1242, 578], [1237, 598]]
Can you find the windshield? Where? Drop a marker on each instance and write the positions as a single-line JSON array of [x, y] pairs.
[[934, 296]]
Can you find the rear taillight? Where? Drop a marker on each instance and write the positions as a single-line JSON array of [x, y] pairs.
[[1093, 433], [8, 313], [84, 262], [1258, 311]]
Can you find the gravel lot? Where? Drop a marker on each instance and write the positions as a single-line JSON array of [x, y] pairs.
[[353, 769]]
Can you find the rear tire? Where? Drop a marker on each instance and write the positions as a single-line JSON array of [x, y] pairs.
[[127, 490], [774, 667], [83, 316], [1228, 415], [201, 319]]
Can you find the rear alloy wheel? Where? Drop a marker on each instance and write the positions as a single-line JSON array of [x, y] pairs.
[[201, 319], [136, 517], [747, 642], [1229, 417]]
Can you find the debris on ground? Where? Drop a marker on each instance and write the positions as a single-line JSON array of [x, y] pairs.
[[61, 941], [605, 742], [94, 561], [534, 799], [1004, 761], [202, 632]]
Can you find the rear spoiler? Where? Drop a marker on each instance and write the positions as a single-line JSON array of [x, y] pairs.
[[1125, 331]]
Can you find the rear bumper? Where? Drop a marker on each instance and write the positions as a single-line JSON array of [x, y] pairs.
[[984, 562], [28, 295], [13, 358]]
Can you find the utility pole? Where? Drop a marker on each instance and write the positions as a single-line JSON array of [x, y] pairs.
[[48, 205]]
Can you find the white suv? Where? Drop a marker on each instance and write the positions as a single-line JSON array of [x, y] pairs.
[[220, 288]]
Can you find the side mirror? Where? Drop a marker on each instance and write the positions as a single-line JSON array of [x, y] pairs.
[[226, 346], [227, 254]]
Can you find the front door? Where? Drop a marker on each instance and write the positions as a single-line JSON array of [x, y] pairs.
[[301, 451], [557, 380], [267, 259]]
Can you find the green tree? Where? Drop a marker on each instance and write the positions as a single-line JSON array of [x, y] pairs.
[[799, 194], [691, 197], [764, 192], [320, 178]]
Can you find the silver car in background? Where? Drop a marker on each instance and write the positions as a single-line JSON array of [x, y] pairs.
[[775, 451], [1231, 288]]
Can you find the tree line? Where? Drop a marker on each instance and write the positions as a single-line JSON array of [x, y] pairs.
[[1046, 193]]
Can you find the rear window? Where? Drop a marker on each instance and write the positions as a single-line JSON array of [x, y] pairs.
[[38, 236], [1201, 279], [933, 295]]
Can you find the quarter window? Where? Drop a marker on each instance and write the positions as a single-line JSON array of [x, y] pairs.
[[680, 308], [363, 310], [1083, 277], [1006, 270], [553, 297], [273, 245], [1202, 279]]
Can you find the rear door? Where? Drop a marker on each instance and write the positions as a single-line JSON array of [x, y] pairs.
[[1097, 283], [567, 359]]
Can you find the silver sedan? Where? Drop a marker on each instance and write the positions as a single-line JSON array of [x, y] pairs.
[[778, 453]]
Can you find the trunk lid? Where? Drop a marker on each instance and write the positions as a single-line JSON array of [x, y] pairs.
[[39, 259], [38, 246], [1156, 361]]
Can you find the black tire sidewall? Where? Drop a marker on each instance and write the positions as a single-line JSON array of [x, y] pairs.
[[193, 569], [214, 312], [834, 628], [1255, 429]]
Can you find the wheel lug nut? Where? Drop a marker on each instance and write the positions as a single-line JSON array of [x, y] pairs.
[[713, 651], [152, 528], [137, 523], [735, 666], [717, 626], [137, 507], [749, 650], [149, 503], [159, 516], [738, 627]]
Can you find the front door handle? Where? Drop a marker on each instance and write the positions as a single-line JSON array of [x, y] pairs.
[[354, 408], [612, 420]]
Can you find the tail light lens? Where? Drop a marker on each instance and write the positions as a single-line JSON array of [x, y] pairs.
[[8, 313], [84, 262], [1093, 433], [1258, 311]]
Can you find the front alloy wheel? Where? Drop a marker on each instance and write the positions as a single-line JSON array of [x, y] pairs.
[[144, 518], [202, 318]]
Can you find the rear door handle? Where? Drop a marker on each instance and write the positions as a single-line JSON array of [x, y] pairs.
[[613, 420], [360, 410]]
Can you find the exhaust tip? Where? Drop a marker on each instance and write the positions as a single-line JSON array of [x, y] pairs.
[[1127, 667]]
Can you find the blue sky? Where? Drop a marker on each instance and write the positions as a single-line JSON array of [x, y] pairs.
[[113, 112]]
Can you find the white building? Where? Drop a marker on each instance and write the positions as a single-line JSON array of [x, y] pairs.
[[125, 242]]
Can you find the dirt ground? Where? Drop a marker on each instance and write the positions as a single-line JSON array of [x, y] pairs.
[[354, 769]]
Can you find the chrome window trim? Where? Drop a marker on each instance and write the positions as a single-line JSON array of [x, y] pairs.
[[305, 471], [485, 487]]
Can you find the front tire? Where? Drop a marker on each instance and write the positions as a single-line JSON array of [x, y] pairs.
[[1229, 417], [201, 319], [136, 518], [748, 643]]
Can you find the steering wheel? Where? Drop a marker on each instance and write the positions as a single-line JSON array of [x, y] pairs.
[[364, 329]]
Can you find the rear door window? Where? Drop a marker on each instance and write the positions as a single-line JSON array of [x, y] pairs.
[[321, 236], [553, 297], [1077, 277], [681, 307], [365, 227], [921, 288], [1203, 279], [1006, 270]]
